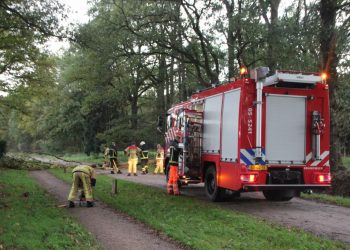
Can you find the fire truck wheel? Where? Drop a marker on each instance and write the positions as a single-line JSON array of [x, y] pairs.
[[212, 190], [279, 195]]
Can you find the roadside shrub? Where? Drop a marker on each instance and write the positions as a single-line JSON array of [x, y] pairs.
[[341, 183]]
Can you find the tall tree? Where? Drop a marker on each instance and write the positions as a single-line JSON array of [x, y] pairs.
[[25, 26], [329, 39], [272, 26]]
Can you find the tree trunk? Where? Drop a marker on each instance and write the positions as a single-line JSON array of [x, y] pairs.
[[230, 38], [328, 44], [134, 111], [160, 85], [272, 36], [272, 33], [171, 88], [182, 81]]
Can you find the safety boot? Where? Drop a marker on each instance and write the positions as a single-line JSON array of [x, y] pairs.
[[135, 174], [71, 204], [112, 172], [119, 172], [128, 174], [89, 204]]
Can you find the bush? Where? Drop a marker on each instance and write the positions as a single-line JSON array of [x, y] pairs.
[[2, 148], [341, 183]]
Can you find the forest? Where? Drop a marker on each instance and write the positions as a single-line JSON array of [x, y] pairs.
[[133, 59]]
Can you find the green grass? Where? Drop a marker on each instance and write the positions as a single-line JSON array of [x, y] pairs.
[[34, 222], [346, 161], [199, 224], [98, 158], [81, 157], [331, 199]]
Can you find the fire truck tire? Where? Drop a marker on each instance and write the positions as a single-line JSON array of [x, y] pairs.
[[279, 195], [213, 192]]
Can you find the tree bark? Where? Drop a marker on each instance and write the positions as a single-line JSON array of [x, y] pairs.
[[330, 60], [230, 38], [134, 111], [161, 85], [272, 36]]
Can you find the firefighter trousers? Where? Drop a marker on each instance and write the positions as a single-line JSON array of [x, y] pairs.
[[159, 166], [173, 187], [144, 165], [114, 164], [85, 180], [132, 165]]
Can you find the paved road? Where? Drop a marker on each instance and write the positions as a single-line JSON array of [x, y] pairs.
[[325, 220]]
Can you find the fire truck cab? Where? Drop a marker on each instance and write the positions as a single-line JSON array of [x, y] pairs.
[[259, 133]]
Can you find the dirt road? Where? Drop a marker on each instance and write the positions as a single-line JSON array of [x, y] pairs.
[[330, 221], [112, 229]]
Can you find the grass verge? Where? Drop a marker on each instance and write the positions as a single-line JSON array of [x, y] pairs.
[[199, 224], [81, 157], [346, 162], [330, 199], [30, 220]]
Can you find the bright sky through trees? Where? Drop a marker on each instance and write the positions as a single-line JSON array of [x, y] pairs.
[[77, 14]]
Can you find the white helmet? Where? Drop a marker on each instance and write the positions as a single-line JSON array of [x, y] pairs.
[[142, 143]]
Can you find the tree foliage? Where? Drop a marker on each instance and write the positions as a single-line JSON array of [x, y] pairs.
[[134, 59], [25, 26]]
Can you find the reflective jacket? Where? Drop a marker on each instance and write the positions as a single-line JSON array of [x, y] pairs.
[[112, 153], [160, 154], [90, 171], [132, 151], [144, 152], [174, 153]]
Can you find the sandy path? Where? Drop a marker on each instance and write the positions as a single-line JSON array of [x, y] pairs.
[[112, 229]]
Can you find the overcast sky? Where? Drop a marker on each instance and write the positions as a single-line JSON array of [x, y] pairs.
[[78, 14]]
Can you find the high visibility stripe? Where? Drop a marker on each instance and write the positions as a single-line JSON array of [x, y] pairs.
[[308, 157], [79, 171], [246, 159], [247, 156], [322, 157]]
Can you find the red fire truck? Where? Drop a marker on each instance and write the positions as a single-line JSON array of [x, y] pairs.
[[258, 133]]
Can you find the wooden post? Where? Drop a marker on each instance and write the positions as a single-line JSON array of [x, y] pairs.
[[114, 186]]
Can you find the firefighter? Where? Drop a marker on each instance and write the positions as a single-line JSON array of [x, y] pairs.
[[144, 157], [106, 157], [159, 160], [172, 186], [113, 159], [132, 152], [83, 176]]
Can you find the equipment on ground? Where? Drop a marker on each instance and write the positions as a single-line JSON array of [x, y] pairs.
[[264, 133], [93, 182]]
